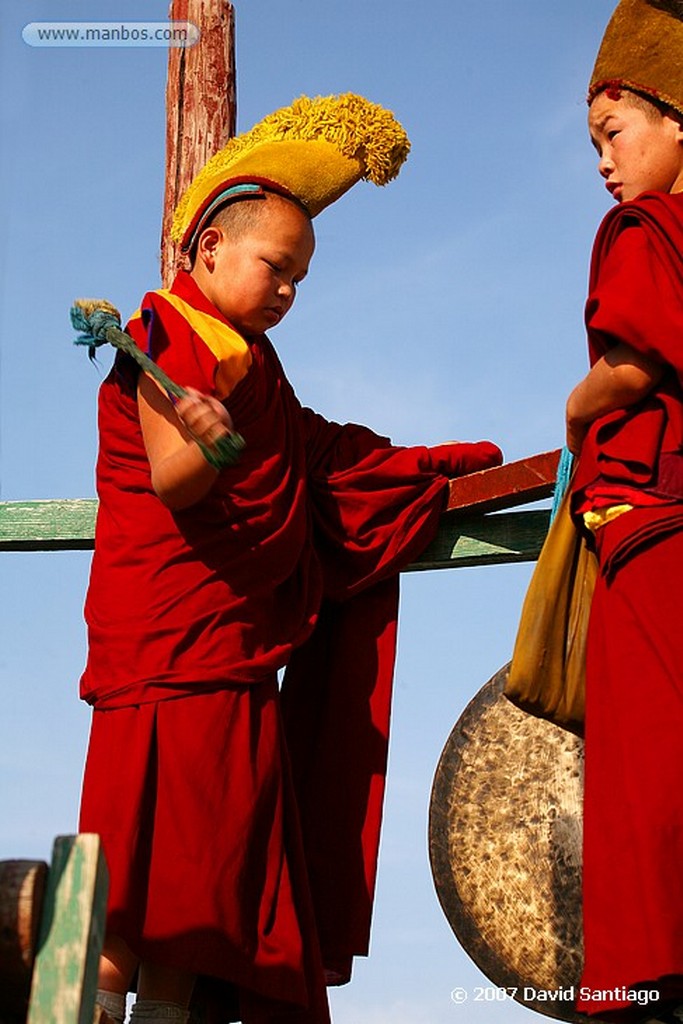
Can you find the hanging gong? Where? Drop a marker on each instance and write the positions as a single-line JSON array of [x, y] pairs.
[[505, 831]]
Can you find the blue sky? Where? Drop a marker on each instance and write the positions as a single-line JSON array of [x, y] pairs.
[[447, 305]]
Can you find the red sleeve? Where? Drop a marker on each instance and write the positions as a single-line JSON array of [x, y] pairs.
[[332, 448], [375, 505], [636, 301], [636, 298]]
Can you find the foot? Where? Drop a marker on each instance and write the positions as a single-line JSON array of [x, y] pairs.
[[101, 1016]]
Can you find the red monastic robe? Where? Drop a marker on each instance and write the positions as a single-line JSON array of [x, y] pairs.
[[242, 843], [633, 805]]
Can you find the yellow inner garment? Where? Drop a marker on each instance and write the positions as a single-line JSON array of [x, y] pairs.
[[597, 517], [230, 349]]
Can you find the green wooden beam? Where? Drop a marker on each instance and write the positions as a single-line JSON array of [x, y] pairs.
[[462, 540], [58, 525], [494, 539], [71, 933]]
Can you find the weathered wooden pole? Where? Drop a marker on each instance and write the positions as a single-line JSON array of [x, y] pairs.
[[22, 889], [200, 105], [71, 933]]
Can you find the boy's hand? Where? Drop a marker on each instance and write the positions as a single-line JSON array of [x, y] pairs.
[[205, 418], [180, 470]]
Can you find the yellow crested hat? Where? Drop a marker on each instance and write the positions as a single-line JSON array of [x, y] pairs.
[[313, 151], [642, 50]]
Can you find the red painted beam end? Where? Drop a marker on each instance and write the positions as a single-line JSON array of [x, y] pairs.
[[515, 483]]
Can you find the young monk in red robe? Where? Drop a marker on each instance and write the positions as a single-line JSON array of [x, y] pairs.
[[241, 825], [625, 421]]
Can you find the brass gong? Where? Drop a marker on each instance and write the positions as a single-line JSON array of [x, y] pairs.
[[505, 830]]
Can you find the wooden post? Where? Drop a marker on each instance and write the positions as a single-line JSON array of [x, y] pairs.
[[22, 889], [200, 105], [71, 933]]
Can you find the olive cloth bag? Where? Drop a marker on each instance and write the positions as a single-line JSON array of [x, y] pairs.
[[547, 673]]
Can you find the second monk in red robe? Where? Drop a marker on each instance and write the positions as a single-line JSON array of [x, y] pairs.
[[625, 419]]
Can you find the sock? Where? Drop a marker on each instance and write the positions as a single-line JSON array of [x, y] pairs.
[[114, 1003], [145, 1010]]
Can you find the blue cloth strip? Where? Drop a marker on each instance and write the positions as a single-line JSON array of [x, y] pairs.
[[564, 475]]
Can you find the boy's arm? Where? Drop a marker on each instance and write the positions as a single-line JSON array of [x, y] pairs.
[[619, 379], [181, 475]]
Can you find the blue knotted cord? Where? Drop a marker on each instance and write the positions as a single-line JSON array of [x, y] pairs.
[[93, 327]]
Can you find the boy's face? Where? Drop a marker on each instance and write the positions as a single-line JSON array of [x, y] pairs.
[[638, 152], [252, 278]]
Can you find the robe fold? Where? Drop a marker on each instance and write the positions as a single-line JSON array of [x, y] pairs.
[[243, 842], [633, 803]]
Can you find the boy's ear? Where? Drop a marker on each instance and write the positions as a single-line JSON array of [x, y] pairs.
[[678, 120], [207, 245]]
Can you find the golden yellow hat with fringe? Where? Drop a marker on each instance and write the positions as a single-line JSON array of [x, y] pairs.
[[642, 49], [314, 150]]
